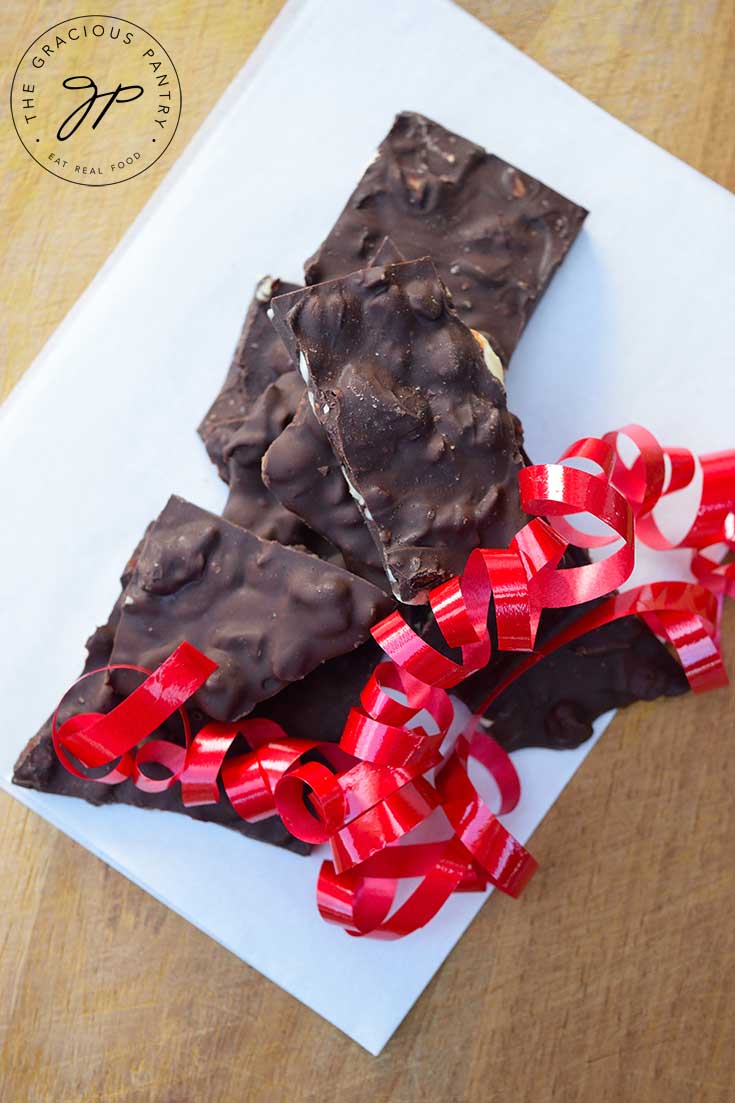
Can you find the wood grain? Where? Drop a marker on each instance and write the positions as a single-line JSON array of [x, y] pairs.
[[614, 978]]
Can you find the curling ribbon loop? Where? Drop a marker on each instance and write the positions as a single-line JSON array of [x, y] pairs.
[[396, 767], [624, 499]]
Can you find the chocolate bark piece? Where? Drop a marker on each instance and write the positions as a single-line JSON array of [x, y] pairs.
[[39, 768], [243, 436], [267, 614], [250, 503], [314, 708], [415, 417], [259, 359], [495, 233], [303, 474], [555, 702]]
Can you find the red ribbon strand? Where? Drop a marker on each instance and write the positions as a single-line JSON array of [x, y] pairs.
[[395, 767]]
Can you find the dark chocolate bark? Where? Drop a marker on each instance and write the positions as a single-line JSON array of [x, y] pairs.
[[267, 614], [495, 233], [555, 702], [250, 503], [39, 768], [553, 706], [259, 359], [415, 417]]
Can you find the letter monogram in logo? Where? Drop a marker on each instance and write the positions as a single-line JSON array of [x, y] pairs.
[[79, 114], [95, 100]]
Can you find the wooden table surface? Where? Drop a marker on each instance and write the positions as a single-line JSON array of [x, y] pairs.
[[613, 979]]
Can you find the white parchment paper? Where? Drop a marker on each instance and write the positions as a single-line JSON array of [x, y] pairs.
[[637, 326]]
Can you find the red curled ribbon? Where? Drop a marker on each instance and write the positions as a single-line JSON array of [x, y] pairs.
[[395, 767]]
